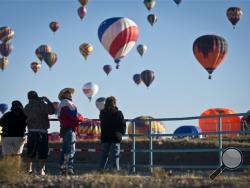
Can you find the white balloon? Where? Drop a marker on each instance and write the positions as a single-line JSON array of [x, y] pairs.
[[90, 89]]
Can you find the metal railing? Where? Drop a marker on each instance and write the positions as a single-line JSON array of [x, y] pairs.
[[151, 150]]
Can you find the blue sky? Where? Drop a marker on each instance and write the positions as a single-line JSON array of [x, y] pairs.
[[181, 86]]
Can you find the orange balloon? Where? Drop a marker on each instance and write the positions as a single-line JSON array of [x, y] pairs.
[[228, 123]]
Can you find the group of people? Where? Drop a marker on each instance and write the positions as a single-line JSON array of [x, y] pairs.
[[35, 117]]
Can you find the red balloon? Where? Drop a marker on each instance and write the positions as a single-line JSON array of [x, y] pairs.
[[228, 123], [82, 11]]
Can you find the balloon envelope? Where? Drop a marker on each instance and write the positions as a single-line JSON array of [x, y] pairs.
[[228, 123], [118, 35], [90, 89], [149, 4], [42, 50], [107, 69], [234, 14], [210, 51], [100, 102], [187, 129], [137, 79], [54, 26], [142, 48], [142, 126], [82, 11], [86, 49], [50, 58], [3, 108], [35, 66], [89, 130], [83, 2], [6, 49], [147, 77], [3, 62], [6, 34], [152, 19]]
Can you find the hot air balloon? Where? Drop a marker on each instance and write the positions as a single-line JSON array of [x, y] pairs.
[[50, 59], [210, 51], [83, 2], [147, 77], [187, 129], [107, 69], [82, 11], [90, 89], [89, 130], [86, 49], [3, 108], [6, 34], [234, 14], [137, 79], [118, 35], [152, 19], [177, 2], [149, 4], [35, 66], [142, 48], [6, 49], [54, 26], [100, 102], [228, 123], [3, 62], [42, 50], [142, 126]]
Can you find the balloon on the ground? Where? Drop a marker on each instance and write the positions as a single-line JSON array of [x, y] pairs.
[[147, 76], [142, 48], [192, 130], [118, 35], [54, 26], [152, 19], [210, 51], [90, 89], [6, 34], [149, 4], [3, 108], [227, 123], [50, 58], [42, 50], [3, 62], [54, 137], [35, 66], [83, 2], [6, 49], [142, 126], [82, 11], [86, 49], [137, 79], [234, 14], [107, 69], [89, 130], [100, 102]]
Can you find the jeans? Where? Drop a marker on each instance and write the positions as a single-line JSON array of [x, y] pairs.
[[68, 149], [115, 151]]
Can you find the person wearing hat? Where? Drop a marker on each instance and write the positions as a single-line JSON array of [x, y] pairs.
[[13, 125], [69, 120], [37, 111]]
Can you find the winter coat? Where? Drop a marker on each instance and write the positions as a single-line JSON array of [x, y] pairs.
[[113, 126], [37, 112], [13, 123]]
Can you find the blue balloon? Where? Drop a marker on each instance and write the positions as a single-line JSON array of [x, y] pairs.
[[187, 129], [3, 107]]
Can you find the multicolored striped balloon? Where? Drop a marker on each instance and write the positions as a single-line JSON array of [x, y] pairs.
[[86, 49], [89, 130], [118, 35], [6, 49], [54, 26], [35, 66], [6, 34], [234, 14], [50, 59], [42, 50], [3, 62]]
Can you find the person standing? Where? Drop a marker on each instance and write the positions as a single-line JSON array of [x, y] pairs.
[[37, 111], [69, 120], [13, 125], [113, 126]]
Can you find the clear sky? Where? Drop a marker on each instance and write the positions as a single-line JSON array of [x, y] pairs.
[[181, 86]]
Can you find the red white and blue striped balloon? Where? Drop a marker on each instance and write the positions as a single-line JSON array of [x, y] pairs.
[[118, 35]]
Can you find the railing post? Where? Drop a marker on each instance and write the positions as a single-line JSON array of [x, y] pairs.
[[133, 141], [220, 140], [150, 146]]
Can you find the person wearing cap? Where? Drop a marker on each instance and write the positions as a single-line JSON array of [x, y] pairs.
[[113, 126], [37, 111], [69, 120], [13, 125]]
